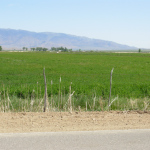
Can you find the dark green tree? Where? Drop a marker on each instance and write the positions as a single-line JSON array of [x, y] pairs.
[[24, 48], [45, 49], [32, 49], [1, 48], [39, 48]]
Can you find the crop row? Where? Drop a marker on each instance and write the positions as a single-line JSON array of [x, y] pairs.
[[21, 74]]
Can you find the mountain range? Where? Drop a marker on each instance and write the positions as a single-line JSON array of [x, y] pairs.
[[16, 39]]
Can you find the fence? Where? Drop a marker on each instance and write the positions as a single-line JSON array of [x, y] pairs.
[[60, 95]]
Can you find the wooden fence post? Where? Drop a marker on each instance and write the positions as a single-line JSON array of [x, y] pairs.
[[45, 97], [110, 88]]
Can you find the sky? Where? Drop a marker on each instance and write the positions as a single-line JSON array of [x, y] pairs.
[[122, 21]]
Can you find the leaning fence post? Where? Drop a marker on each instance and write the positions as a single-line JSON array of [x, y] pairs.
[[45, 90], [110, 88]]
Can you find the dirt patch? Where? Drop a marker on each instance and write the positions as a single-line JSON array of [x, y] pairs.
[[76, 121]]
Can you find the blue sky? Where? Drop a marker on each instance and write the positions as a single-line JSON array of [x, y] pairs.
[[122, 21]]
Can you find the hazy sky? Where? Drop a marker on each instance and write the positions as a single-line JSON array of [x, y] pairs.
[[121, 21]]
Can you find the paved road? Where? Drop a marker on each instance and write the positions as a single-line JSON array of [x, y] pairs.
[[92, 140]]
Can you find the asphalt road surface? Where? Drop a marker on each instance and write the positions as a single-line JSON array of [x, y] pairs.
[[89, 140]]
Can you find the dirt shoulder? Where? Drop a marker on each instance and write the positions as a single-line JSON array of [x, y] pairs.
[[76, 121]]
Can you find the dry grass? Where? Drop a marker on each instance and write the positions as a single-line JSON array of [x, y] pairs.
[[70, 103]]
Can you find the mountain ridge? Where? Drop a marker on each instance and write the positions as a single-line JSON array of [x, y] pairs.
[[16, 39]]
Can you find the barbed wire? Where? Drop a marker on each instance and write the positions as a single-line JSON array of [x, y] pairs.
[[61, 74]]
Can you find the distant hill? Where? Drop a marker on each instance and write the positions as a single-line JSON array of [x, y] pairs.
[[16, 39]]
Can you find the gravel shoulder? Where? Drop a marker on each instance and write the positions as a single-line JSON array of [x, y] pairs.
[[75, 121]]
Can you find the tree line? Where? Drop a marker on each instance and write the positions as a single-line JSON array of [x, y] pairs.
[[62, 49]]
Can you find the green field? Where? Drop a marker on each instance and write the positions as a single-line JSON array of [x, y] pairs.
[[21, 75]]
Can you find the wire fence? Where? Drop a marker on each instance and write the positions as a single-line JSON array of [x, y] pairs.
[[63, 94]]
